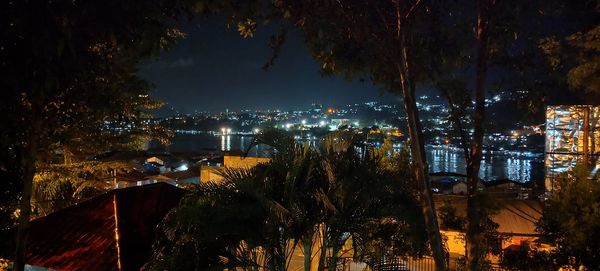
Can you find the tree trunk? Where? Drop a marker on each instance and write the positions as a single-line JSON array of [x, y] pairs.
[[419, 161], [586, 136], [473, 247], [417, 144], [335, 248], [27, 160], [323, 253], [458, 125], [307, 248]]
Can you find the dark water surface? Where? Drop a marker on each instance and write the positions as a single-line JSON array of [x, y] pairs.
[[521, 167]]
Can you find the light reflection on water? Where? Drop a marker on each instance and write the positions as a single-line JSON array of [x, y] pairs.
[[207, 142], [493, 166], [226, 142]]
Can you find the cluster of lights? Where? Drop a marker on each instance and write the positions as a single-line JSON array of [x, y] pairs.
[[225, 131]]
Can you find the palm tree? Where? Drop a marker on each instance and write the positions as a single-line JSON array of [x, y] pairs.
[[57, 186], [216, 226], [316, 198], [365, 192], [299, 175]]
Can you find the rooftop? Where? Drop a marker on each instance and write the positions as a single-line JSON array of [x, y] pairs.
[[98, 233]]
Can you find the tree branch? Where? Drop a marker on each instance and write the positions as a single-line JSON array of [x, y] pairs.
[[411, 9], [454, 116]]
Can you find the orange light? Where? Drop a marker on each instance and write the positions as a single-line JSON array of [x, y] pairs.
[[117, 231]]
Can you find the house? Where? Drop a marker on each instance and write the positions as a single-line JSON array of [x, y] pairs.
[[113, 231], [451, 183], [443, 182], [209, 171], [153, 167], [186, 176], [178, 178], [509, 189], [129, 178], [516, 219], [459, 188], [179, 166], [156, 165]]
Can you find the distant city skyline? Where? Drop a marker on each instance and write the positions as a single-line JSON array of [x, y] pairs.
[[299, 107], [214, 69]]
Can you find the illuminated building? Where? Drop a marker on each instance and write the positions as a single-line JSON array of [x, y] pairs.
[[232, 159], [572, 136]]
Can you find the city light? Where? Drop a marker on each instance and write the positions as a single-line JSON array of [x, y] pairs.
[[286, 153], [225, 131]]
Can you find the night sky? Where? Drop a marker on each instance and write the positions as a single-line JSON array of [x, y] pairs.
[[215, 69]]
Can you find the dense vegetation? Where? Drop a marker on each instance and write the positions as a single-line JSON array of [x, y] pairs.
[[306, 198], [571, 219]]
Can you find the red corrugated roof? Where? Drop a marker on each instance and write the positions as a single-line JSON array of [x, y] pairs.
[[82, 237]]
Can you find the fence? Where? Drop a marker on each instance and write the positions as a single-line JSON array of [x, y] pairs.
[[419, 264], [405, 264], [459, 264]]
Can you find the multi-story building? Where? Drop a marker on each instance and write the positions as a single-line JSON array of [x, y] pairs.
[[572, 136]]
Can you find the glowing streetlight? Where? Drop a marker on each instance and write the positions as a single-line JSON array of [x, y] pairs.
[[228, 130], [256, 130], [303, 122], [223, 131]]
